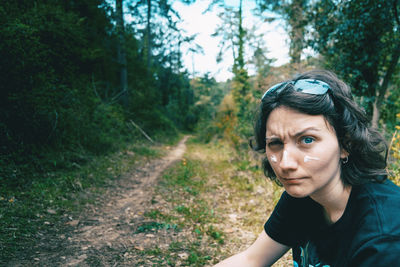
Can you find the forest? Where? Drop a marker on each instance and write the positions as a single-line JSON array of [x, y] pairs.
[[89, 88]]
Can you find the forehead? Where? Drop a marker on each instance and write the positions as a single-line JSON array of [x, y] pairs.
[[284, 120]]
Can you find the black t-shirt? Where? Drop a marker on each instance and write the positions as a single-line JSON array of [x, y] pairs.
[[367, 234]]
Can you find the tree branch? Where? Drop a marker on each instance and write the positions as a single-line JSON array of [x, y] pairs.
[[143, 132], [396, 14]]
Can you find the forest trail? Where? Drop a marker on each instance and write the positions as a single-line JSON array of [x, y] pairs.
[[102, 235]]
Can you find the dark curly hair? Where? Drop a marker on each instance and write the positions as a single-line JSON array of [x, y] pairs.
[[366, 147]]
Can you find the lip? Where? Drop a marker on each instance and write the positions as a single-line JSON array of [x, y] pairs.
[[292, 180]]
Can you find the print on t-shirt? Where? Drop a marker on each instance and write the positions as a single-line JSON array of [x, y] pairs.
[[308, 257]]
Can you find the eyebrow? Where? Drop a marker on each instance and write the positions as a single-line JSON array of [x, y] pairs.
[[312, 128]]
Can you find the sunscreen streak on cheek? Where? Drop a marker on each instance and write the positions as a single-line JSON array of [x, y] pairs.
[[273, 159], [308, 158]]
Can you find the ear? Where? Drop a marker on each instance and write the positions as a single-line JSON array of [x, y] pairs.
[[343, 153]]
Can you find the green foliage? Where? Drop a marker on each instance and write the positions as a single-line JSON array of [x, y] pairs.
[[182, 176], [295, 15], [391, 107], [47, 95], [154, 227], [217, 235], [394, 155], [60, 91], [62, 109], [242, 96], [208, 95], [32, 93], [359, 40]]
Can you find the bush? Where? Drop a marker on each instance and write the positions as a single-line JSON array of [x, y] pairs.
[[394, 155]]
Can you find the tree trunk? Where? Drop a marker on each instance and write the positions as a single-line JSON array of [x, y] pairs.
[[148, 36], [297, 22], [121, 52], [179, 56], [241, 85], [240, 60], [383, 88]]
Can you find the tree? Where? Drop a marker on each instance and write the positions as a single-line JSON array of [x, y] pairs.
[[234, 37], [360, 40], [259, 60], [121, 51], [241, 86], [227, 31], [158, 10], [61, 82], [294, 12]]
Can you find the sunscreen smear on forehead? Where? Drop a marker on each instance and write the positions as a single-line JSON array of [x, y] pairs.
[[273, 159]]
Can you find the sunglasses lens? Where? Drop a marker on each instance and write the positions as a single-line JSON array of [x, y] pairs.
[[310, 86], [274, 88], [307, 86]]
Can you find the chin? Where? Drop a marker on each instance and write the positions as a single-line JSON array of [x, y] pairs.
[[296, 193]]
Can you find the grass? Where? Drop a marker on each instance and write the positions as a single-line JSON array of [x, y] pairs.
[[153, 226], [217, 199], [36, 202]]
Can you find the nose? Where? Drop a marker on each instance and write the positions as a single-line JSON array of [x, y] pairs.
[[288, 161]]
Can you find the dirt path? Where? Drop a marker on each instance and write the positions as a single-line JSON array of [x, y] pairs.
[[102, 235]]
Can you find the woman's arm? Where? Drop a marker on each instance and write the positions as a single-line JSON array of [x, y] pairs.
[[263, 252]]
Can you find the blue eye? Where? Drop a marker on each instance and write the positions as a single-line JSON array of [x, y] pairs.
[[307, 140]]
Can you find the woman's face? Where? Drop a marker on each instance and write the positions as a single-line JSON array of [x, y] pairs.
[[304, 153]]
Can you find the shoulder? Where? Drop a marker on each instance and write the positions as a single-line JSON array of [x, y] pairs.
[[376, 211], [381, 250], [378, 207]]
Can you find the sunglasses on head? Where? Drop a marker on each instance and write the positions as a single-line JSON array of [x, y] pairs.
[[307, 86]]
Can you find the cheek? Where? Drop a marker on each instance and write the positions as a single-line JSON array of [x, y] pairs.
[[273, 159], [323, 153], [320, 162]]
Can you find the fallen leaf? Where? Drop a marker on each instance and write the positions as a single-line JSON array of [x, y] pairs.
[[73, 223], [183, 255], [233, 216], [51, 211], [138, 248]]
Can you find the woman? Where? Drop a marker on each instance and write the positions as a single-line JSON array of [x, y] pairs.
[[338, 208]]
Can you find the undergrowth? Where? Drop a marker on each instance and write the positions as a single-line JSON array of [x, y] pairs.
[[394, 155]]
